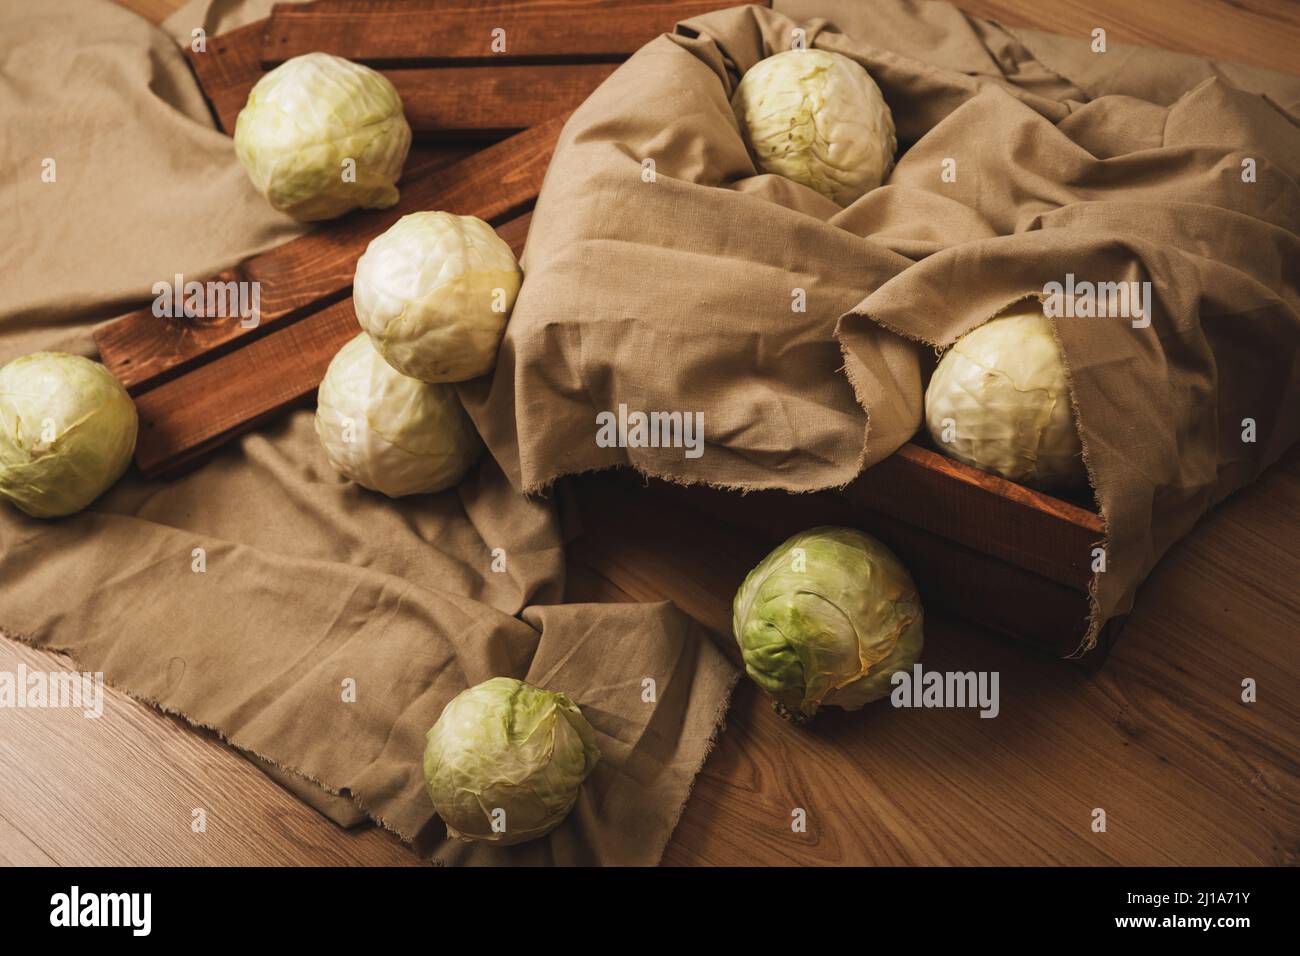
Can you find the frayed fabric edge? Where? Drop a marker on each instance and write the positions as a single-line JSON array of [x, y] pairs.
[[1096, 616]]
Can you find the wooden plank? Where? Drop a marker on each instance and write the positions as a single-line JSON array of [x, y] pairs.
[[1045, 535], [186, 417], [462, 102], [17, 849], [207, 406], [497, 183], [411, 33], [491, 99], [515, 232], [1262, 33], [230, 64]]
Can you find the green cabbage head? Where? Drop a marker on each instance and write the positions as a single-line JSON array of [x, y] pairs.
[[510, 754], [389, 432], [999, 399], [67, 432], [434, 292], [819, 119], [826, 619], [309, 115]]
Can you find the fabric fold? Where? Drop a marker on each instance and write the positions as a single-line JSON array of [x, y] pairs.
[[666, 273]]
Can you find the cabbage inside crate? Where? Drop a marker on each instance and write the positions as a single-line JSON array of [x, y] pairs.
[[978, 546]]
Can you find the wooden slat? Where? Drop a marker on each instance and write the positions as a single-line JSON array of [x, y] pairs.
[[515, 232], [478, 99], [421, 33], [973, 515], [186, 417], [462, 102], [468, 102], [192, 414], [452, 101], [494, 184], [227, 70], [1029, 529]]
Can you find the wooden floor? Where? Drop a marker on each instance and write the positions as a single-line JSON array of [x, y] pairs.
[[1159, 738]]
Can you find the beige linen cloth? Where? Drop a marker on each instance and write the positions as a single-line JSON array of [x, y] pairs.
[[314, 591], [674, 291]]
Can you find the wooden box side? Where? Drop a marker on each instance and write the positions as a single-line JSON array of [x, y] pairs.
[[408, 33], [1046, 536]]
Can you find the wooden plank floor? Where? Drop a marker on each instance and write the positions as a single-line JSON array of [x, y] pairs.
[[1159, 738]]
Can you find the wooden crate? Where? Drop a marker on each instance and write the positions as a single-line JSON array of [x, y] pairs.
[[200, 382], [984, 548]]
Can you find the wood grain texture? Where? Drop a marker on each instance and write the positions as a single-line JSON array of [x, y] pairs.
[[188, 416], [492, 99], [227, 70], [379, 33], [122, 788], [493, 184], [439, 104], [1257, 32]]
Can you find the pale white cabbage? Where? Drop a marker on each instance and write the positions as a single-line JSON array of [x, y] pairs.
[[308, 115], [67, 432], [508, 751], [1004, 388], [819, 119], [434, 292], [826, 619], [389, 432]]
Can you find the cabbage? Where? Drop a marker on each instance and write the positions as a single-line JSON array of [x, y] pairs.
[[67, 432], [308, 115], [1003, 387], [508, 752], [826, 619], [434, 292], [818, 118], [387, 431]]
